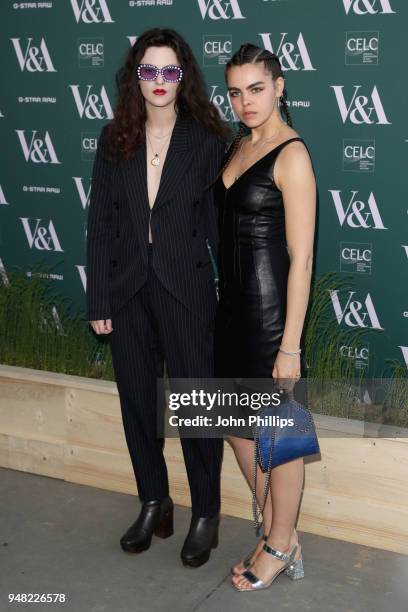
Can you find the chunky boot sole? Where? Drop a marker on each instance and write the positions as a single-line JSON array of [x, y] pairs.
[[203, 558], [164, 529], [136, 548]]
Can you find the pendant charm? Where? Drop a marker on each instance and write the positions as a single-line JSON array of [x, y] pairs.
[[156, 160]]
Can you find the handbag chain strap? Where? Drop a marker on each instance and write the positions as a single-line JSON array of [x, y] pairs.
[[257, 513]]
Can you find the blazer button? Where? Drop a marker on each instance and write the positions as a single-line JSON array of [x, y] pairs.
[[117, 234], [114, 263], [194, 233], [199, 265], [196, 203], [116, 204]]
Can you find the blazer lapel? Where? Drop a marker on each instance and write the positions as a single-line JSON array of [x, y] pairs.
[[177, 161], [135, 179], [134, 171]]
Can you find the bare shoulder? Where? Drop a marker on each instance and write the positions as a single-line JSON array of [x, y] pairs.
[[293, 163], [294, 154]]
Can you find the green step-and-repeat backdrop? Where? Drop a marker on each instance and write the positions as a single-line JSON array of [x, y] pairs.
[[344, 63]]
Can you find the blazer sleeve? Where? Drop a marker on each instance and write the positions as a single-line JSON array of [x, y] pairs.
[[216, 156], [98, 240]]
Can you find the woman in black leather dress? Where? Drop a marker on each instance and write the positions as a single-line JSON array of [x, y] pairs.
[[266, 195]]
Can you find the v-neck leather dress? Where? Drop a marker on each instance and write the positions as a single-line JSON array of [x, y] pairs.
[[253, 269]]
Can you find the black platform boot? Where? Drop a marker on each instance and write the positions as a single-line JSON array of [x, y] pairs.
[[201, 538], [156, 517]]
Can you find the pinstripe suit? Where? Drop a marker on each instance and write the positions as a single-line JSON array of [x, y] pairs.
[[161, 299]]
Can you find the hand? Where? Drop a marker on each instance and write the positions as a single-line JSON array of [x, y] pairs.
[[286, 370], [104, 326]]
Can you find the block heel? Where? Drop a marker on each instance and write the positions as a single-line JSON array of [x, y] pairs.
[[165, 528], [295, 571]]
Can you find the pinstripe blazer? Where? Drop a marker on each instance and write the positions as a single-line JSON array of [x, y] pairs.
[[182, 217]]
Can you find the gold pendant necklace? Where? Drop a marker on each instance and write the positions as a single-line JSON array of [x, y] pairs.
[[155, 161]]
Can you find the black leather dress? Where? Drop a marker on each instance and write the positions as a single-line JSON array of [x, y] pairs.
[[253, 269]]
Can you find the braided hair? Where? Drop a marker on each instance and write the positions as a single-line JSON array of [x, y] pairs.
[[251, 54]]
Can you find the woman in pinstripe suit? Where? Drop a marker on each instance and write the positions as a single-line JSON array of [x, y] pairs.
[[150, 285]]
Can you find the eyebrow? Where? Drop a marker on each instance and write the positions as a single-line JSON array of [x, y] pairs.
[[249, 86]]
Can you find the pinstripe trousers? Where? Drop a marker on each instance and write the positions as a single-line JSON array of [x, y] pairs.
[[152, 328]]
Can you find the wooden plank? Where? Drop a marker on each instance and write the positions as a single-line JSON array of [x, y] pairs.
[[32, 409], [30, 455], [99, 468], [94, 420]]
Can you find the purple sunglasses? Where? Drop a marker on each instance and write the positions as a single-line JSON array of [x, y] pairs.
[[149, 72]]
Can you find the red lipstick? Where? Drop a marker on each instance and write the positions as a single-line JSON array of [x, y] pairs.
[[159, 92]]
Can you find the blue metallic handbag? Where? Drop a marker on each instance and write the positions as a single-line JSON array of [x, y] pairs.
[[276, 444]]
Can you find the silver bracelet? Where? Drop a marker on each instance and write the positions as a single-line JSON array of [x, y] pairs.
[[290, 352]]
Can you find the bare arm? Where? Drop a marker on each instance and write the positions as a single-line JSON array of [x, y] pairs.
[[295, 178]]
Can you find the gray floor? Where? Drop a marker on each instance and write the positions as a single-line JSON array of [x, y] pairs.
[[58, 537]]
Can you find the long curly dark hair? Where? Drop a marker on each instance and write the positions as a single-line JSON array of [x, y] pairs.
[[127, 130]]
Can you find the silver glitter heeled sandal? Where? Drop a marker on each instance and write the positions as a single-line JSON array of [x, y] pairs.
[[293, 569], [247, 561]]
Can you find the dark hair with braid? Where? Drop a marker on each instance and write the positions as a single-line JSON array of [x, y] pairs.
[[251, 54]]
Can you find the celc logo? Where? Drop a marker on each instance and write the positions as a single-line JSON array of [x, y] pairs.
[[359, 354], [357, 213], [292, 55], [217, 50], [355, 313], [358, 155], [223, 104], [91, 53], [89, 142], [361, 108], [94, 106], [368, 7], [38, 150], [41, 237], [220, 9], [356, 257], [91, 11], [362, 48], [33, 58]]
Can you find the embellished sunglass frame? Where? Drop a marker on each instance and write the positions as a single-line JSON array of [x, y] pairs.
[[159, 71]]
